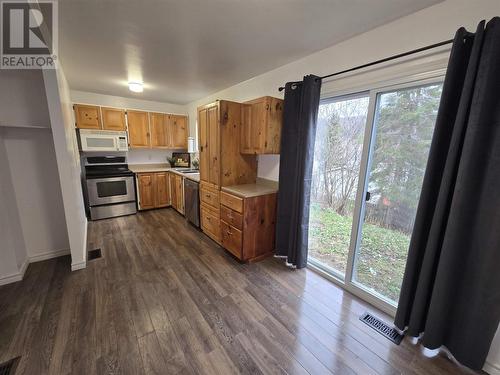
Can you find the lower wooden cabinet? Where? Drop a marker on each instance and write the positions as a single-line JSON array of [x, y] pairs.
[[210, 222], [154, 190], [162, 189], [177, 188], [247, 225], [210, 210], [146, 188]]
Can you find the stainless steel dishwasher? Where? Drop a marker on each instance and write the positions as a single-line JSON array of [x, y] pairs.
[[192, 201]]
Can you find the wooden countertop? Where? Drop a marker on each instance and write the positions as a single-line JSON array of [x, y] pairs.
[[151, 168], [261, 187]]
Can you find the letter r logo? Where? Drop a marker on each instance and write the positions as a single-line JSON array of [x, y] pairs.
[[27, 28]]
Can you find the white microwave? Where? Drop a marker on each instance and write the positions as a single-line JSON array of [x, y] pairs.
[[102, 140]]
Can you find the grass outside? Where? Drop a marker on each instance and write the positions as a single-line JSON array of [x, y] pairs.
[[382, 255]]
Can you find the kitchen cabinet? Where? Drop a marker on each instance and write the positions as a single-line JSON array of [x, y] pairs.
[[247, 225], [261, 122], [154, 190], [146, 187], [113, 119], [159, 130], [162, 189], [87, 116], [138, 129], [177, 131], [210, 210], [177, 189], [210, 222], [168, 131], [221, 162]]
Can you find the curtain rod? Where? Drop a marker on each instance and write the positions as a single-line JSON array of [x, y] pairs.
[[384, 60]]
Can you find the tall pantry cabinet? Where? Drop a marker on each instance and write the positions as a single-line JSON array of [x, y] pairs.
[[221, 163]]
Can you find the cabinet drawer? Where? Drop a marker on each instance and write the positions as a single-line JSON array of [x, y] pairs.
[[210, 222], [231, 217], [231, 201], [210, 197], [231, 239]]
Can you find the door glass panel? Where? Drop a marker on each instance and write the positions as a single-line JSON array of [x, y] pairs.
[[403, 129], [337, 160], [111, 188]]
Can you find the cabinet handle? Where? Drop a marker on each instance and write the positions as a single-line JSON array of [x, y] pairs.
[[207, 195]]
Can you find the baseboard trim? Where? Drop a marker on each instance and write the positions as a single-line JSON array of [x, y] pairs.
[[15, 277], [492, 368], [78, 266], [32, 259], [48, 255]]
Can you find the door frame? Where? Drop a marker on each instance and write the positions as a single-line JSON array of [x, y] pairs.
[[369, 140]]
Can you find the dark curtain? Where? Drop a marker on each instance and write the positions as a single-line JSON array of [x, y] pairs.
[[296, 162], [451, 286]]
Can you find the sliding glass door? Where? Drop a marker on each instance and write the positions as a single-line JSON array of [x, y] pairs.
[[337, 161], [370, 157]]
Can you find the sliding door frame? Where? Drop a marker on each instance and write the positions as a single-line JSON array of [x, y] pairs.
[[369, 141]]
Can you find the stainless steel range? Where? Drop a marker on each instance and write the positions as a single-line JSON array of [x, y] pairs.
[[110, 189]]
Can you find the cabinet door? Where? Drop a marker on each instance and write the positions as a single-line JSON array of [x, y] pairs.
[[246, 138], [173, 191], [210, 223], [158, 123], [213, 145], [204, 148], [87, 116], [253, 126], [162, 190], [179, 187], [178, 131], [146, 182], [261, 121], [138, 129], [113, 119]]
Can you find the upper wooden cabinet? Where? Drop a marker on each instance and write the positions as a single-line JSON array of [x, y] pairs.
[[145, 129], [138, 129], [87, 116], [221, 162], [178, 131], [261, 119], [159, 130], [113, 119]]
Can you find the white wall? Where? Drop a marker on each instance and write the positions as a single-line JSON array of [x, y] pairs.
[[427, 26], [134, 156], [68, 163], [22, 99], [35, 179], [31, 216], [13, 255]]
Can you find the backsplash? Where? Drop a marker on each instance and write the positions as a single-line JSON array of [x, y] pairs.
[[147, 156]]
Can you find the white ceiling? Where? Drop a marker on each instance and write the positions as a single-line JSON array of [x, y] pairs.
[[184, 50]]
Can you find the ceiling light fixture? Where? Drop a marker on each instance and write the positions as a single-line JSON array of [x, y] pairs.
[[136, 86]]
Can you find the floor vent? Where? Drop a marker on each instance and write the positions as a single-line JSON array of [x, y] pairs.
[[9, 367], [382, 328], [93, 254]]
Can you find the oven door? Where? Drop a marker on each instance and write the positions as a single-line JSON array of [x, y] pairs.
[[110, 190]]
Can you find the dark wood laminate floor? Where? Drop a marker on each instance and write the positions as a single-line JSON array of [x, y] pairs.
[[164, 299]]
